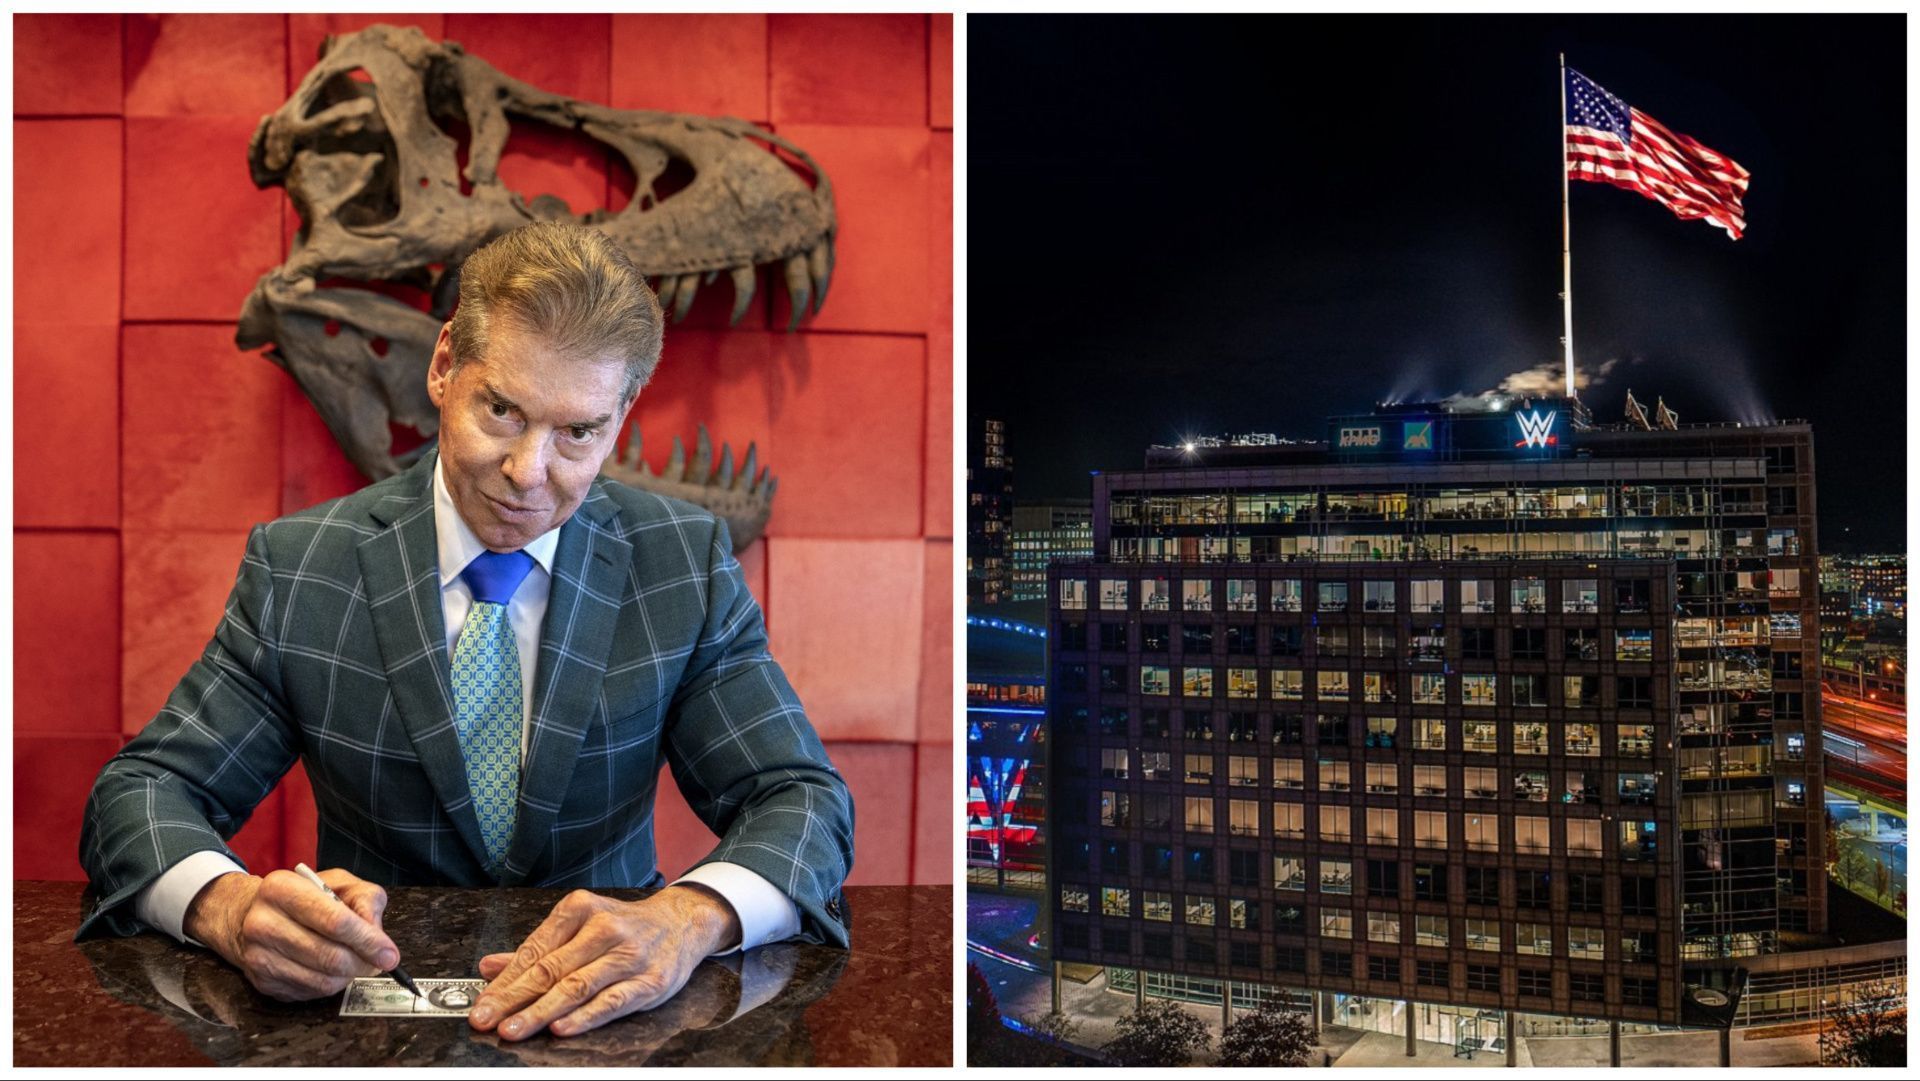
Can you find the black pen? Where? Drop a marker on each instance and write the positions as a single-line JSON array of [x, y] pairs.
[[399, 974]]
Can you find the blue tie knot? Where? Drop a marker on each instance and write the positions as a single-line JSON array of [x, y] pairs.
[[493, 576]]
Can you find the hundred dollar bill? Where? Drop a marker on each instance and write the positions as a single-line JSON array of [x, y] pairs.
[[381, 997]]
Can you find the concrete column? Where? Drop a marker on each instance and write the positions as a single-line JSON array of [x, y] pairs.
[[1726, 1046], [1056, 987], [1139, 987], [1613, 1043], [1409, 1012], [1313, 1010], [1226, 1004], [1513, 1043]]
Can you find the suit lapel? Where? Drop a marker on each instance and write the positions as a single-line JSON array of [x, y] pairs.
[[401, 567], [590, 569]]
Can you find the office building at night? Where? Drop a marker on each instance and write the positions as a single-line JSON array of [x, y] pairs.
[[1472, 709], [1044, 533], [989, 512]]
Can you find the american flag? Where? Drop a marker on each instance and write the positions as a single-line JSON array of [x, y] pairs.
[[1611, 142]]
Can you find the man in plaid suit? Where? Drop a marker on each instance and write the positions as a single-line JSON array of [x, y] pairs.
[[482, 662]]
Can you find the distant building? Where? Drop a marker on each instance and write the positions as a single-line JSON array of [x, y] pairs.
[[1043, 534], [1488, 712], [1878, 583], [989, 512]]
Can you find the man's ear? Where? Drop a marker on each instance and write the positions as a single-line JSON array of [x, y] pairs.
[[440, 369]]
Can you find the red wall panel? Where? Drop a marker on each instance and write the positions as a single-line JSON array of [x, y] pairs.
[[137, 241]]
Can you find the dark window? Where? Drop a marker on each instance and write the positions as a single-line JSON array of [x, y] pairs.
[[1336, 963], [1641, 946], [1073, 636], [1197, 724], [1289, 919], [1483, 886], [1786, 666], [1584, 893], [1529, 644], [1290, 958], [1332, 729], [1245, 954], [1631, 594], [1429, 881], [1243, 868], [1113, 859], [1073, 677], [1780, 459], [1587, 986], [1783, 501], [1243, 727], [1286, 642], [1156, 811], [1199, 865], [1330, 641], [1583, 644], [1289, 728], [1476, 643], [1537, 982], [1076, 855], [1638, 897], [1533, 889], [1383, 878], [1113, 721], [1383, 968], [1789, 706], [1160, 863], [1116, 941], [1201, 951], [1636, 692], [1113, 637], [1483, 978], [1430, 973], [1196, 637], [1153, 637], [1158, 946], [1153, 724], [1075, 936], [1635, 991]]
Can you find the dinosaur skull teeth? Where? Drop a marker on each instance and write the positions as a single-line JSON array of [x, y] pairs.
[[743, 498]]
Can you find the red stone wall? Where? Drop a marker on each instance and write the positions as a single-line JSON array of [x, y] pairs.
[[146, 444]]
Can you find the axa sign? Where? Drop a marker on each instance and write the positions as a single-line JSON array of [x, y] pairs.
[[1536, 429]]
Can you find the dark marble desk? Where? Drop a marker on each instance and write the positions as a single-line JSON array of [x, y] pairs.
[[147, 1001]]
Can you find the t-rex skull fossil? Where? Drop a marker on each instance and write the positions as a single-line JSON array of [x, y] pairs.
[[363, 149], [743, 499]]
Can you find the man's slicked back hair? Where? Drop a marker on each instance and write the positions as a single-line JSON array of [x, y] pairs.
[[569, 285]]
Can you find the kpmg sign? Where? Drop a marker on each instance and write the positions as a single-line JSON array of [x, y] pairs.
[[1368, 437]]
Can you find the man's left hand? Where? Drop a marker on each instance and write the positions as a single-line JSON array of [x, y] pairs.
[[595, 959]]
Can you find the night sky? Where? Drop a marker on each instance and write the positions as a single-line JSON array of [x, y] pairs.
[[1226, 224]]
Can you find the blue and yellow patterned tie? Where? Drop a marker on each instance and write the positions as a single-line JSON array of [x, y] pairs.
[[487, 703]]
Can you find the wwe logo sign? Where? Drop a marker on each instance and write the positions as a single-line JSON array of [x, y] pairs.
[[1534, 429]]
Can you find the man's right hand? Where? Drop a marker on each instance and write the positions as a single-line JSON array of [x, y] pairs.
[[292, 941]]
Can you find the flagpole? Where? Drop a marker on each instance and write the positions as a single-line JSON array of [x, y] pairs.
[[1566, 243]]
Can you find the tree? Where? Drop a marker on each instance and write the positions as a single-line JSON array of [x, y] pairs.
[[1866, 1028], [983, 1012], [1057, 1027], [1272, 1035], [1159, 1033]]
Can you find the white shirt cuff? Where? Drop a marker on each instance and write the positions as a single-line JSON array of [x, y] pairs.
[[765, 914], [163, 904]]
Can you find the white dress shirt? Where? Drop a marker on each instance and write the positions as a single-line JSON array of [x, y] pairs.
[[765, 913]]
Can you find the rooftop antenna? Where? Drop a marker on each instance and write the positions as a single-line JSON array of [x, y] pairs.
[[1667, 417], [1636, 413]]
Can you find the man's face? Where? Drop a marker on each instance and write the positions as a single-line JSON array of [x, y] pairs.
[[523, 431]]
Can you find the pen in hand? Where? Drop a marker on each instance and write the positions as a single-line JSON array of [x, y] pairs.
[[399, 974]]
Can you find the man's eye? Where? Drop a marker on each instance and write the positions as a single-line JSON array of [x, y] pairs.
[[497, 409], [580, 435]]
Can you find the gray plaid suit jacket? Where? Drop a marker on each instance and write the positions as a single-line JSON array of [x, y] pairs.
[[333, 649]]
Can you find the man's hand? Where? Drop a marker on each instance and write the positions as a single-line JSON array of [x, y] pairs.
[[595, 959], [292, 941]]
